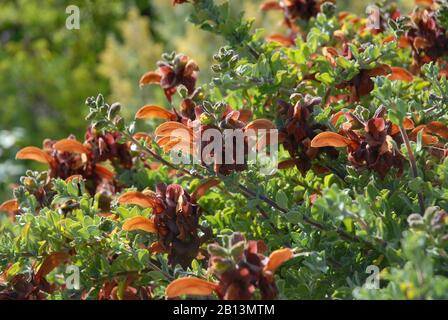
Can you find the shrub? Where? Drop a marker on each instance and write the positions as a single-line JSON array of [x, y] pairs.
[[361, 122]]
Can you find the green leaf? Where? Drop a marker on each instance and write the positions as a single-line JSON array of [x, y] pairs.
[[282, 199]]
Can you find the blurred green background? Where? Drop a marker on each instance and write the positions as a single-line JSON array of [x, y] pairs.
[[47, 71]]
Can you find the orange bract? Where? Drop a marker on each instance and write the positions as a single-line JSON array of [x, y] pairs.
[[190, 286], [400, 74], [178, 145], [438, 128], [270, 5], [51, 262], [141, 199], [70, 145], [150, 77], [143, 136], [103, 172], [156, 247], [260, 124], [154, 112], [277, 258], [329, 139], [279, 38], [408, 124], [36, 154], [428, 139], [140, 223], [203, 188], [9, 206], [167, 128], [425, 2]]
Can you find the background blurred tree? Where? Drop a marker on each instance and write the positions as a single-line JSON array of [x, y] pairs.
[[126, 57], [47, 71]]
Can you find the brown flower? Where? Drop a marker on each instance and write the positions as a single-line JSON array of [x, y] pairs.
[[298, 130], [175, 220], [171, 73], [241, 270], [427, 39], [69, 157], [26, 287], [180, 131], [371, 146], [362, 84], [295, 9]]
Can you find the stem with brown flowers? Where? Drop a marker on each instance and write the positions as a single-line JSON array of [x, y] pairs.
[[252, 194]]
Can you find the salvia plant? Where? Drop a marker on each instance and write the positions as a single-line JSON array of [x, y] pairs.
[[356, 207]]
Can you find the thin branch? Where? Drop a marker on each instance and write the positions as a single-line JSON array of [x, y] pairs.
[[413, 164]]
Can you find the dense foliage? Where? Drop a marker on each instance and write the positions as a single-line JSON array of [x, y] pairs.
[[361, 116]]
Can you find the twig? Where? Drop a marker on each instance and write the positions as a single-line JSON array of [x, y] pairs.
[[413, 164]]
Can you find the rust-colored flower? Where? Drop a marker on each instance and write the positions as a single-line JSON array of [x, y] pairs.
[[298, 129], [69, 157], [105, 146], [427, 39], [369, 144], [184, 130], [33, 285], [362, 84], [241, 270], [175, 220], [432, 133], [172, 72], [26, 287], [11, 207], [295, 9]]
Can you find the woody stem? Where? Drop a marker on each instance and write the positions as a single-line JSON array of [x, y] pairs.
[[413, 164]]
